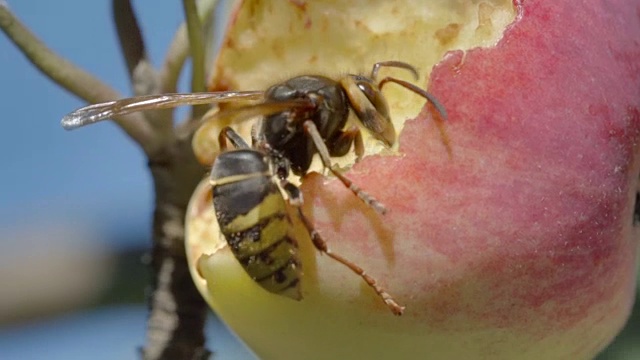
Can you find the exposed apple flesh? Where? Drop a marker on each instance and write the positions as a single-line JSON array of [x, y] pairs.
[[519, 246]]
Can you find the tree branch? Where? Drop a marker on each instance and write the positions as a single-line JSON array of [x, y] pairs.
[[129, 34], [144, 78], [177, 311]]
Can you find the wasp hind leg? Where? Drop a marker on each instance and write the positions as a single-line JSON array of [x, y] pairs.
[[296, 200]]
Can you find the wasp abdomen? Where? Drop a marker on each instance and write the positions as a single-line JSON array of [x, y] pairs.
[[253, 218]]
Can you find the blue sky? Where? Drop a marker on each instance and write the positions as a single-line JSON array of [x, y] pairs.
[[93, 178], [106, 334], [94, 175]]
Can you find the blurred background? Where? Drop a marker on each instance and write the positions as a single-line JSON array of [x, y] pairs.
[[75, 207]]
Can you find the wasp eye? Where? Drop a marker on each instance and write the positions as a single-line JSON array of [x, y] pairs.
[[370, 106], [373, 94]]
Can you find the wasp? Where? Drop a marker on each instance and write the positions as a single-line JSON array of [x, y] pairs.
[[301, 117]]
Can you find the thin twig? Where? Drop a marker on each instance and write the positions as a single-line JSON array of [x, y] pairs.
[[179, 49], [129, 34], [196, 45], [74, 79], [144, 78], [210, 34]]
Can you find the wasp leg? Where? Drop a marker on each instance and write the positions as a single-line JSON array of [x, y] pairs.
[[312, 131], [295, 199], [340, 144], [254, 135], [396, 64], [442, 112], [227, 133]]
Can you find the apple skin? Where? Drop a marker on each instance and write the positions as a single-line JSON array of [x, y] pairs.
[[520, 244], [535, 205]]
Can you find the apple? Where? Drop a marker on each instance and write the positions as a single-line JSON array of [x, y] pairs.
[[519, 244]]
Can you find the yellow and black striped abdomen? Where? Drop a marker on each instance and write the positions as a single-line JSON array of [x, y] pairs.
[[253, 218]]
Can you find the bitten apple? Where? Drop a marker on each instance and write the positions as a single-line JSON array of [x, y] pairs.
[[520, 244]]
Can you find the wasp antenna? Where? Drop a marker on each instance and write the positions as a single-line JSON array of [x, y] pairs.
[[441, 111], [396, 64], [409, 86]]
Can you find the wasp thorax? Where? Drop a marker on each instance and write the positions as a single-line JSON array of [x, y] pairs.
[[284, 131]]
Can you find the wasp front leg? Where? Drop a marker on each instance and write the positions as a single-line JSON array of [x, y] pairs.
[[312, 131], [227, 133], [341, 143]]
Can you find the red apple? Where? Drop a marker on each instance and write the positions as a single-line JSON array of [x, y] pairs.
[[520, 244]]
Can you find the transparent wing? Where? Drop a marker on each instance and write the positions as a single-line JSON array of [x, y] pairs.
[[107, 110]]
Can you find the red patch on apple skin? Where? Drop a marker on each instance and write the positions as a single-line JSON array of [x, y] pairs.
[[529, 222], [546, 155]]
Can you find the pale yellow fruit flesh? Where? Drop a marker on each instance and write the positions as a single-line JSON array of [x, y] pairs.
[[271, 41]]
